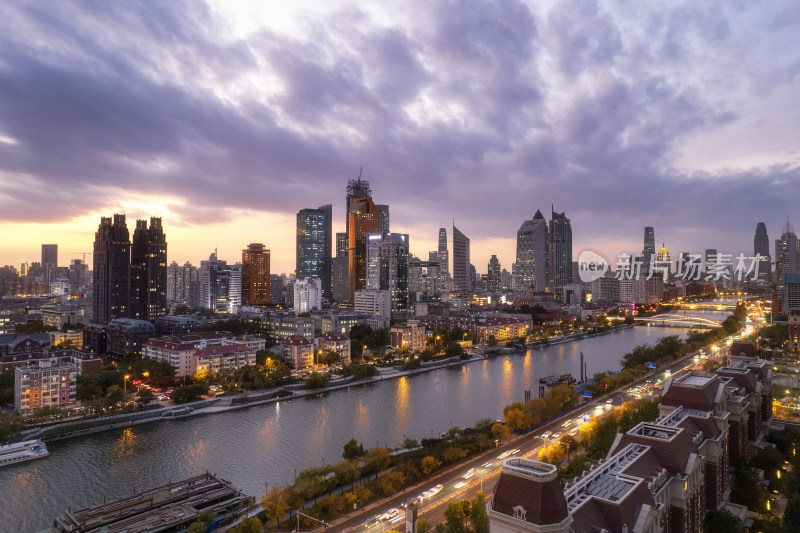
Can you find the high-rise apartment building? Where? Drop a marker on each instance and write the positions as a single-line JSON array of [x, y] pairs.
[[761, 247], [387, 267], [559, 253], [111, 270], [215, 281], [148, 287], [462, 283], [255, 275], [307, 295], [444, 257], [531, 264], [364, 219], [327, 267]]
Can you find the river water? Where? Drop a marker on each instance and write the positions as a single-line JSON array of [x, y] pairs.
[[266, 444]]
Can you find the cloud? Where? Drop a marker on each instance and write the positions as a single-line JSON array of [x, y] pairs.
[[479, 111]]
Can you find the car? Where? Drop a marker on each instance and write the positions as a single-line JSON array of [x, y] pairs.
[[565, 424], [609, 402], [372, 520], [487, 464], [459, 484], [515, 451], [391, 513], [556, 436], [407, 503], [469, 474], [546, 434], [598, 407], [437, 489], [503, 455]]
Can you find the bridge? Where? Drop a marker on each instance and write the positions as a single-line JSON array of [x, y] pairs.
[[706, 306], [677, 320]]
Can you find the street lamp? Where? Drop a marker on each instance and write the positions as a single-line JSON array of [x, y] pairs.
[[125, 387]]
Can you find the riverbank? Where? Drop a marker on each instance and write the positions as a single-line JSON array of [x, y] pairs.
[[77, 428]]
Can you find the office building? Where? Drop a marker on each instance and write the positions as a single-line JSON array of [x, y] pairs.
[[79, 278], [649, 250], [313, 245], [49, 260], [307, 295], [327, 268], [357, 188], [787, 253], [531, 265], [462, 284], [383, 210], [790, 292], [215, 283], [364, 220], [375, 305], [444, 257], [493, 275], [127, 336], [148, 287], [559, 253], [255, 275], [387, 267], [112, 270], [761, 247]]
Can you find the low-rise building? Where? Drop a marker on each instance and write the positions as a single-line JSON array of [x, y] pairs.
[[57, 315], [49, 382], [298, 352], [174, 324], [410, 336], [342, 322], [72, 338], [128, 335], [333, 341], [190, 352]]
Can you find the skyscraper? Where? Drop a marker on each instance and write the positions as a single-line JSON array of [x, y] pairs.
[[364, 218], [531, 264], [215, 277], [787, 253], [559, 253], [387, 267], [327, 267], [462, 284], [649, 250], [357, 188], [493, 275], [255, 275], [111, 270], [340, 279], [49, 260], [148, 287], [311, 236], [444, 258], [761, 247], [383, 209]]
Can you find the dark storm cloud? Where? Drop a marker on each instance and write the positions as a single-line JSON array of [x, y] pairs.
[[480, 103]]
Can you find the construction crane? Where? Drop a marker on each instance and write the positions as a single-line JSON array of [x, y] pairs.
[[82, 254]]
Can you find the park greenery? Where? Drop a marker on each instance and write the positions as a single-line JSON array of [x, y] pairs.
[[365, 475]]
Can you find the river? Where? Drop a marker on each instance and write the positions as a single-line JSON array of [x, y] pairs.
[[266, 444]]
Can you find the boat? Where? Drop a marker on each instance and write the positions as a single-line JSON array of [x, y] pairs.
[[22, 451]]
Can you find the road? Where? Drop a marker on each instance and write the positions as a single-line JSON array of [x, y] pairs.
[[458, 484]]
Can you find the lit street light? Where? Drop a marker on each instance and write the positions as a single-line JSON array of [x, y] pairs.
[[125, 387]]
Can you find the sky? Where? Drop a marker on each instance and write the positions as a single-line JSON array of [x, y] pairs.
[[225, 118]]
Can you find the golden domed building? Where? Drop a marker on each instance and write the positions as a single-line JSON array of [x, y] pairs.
[[663, 254]]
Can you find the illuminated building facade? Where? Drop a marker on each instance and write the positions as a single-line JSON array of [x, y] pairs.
[[255, 275], [364, 219], [531, 265], [387, 267], [559, 253]]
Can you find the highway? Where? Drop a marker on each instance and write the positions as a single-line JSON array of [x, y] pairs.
[[458, 484]]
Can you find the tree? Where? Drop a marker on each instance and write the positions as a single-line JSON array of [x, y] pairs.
[[410, 443], [747, 488], [453, 349], [423, 526], [317, 380], [197, 527], [429, 464], [390, 482], [491, 341], [721, 521], [455, 517], [188, 393], [248, 525], [145, 394], [477, 514], [515, 420], [376, 459], [500, 432], [791, 516], [453, 454], [353, 450], [275, 504]]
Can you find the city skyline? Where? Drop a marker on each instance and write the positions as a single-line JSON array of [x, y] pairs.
[[688, 128]]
